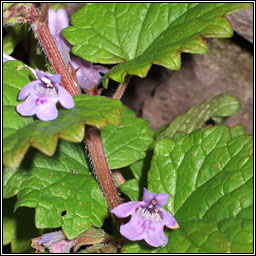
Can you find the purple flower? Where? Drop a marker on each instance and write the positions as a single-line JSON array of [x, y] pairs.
[[7, 57], [42, 96], [57, 21], [87, 73], [55, 242], [147, 219]]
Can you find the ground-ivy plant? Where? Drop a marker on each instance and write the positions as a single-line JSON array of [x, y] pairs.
[[81, 163]]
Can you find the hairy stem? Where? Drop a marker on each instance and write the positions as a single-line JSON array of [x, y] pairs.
[[93, 137], [102, 172], [44, 13], [45, 38], [121, 88]]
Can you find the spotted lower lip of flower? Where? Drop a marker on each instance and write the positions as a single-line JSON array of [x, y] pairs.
[[147, 219], [42, 96]]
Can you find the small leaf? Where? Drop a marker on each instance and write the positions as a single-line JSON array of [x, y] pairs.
[[138, 35], [131, 188], [222, 105], [22, 132], [127, 143], [60, 188], [134, 187]]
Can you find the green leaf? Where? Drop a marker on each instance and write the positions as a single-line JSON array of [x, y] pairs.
[[127, 143], [22, 132], [209, 177], [131, 188], [139, 167], [15, 35], [237, 131], [222, 105], [19, 227], [233, 235], [138, 35], [134, 187], [61, 189]]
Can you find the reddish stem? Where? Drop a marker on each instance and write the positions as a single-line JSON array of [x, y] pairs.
[[45, 38], [55, 59], [94, 143], [121, 88], [93, 137]]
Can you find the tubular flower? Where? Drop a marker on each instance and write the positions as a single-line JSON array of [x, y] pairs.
[[57, 21], [87, 74], [147, 219], [54, 241], [42, 96]]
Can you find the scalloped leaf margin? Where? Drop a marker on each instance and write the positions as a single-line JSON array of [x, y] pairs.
[[138, 35]]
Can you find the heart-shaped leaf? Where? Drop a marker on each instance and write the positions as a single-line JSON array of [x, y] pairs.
[[209, 176], [22, 132], [61, 189], [138, 35]]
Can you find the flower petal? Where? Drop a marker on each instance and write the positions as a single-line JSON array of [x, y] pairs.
[[65, 98], [25, 91], [168, 219], [83, 73], [77, 62], [87, 73], [28, 107], [126, 209], [135, 229], [7, 57], [147, 196], [154, 234], [47, 111], [39, 74], [101, 69], [62, 246], [50, 238], [55, 79], [57, 21], [161, 199]]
